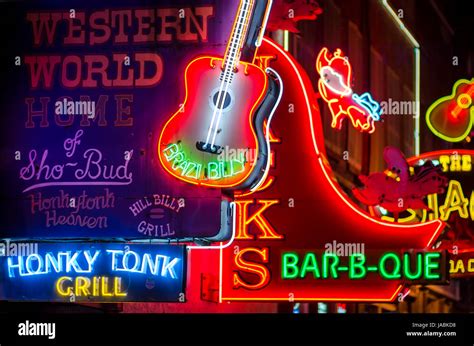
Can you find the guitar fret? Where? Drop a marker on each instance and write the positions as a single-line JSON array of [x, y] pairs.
[[233, 52]]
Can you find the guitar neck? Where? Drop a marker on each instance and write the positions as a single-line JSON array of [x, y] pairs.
[[239, 31]]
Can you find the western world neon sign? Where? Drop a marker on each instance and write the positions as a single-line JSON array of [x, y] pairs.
[[98, 272]]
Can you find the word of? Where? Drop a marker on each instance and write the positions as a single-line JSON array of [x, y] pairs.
[[390, 266], [96, 286]]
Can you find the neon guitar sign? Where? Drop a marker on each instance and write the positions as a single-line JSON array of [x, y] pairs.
[[227, 102], [451, 117], [334, 87]]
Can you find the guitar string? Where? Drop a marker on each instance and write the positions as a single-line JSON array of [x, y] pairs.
[[226, 76], [221, 106]]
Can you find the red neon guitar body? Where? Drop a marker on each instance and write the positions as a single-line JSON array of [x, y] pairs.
[[236, 146], [451, 117]]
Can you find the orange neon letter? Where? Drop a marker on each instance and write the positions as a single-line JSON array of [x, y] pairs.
[[253, 268], [243, 220]]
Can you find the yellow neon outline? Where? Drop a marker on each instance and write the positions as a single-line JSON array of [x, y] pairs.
[[447, 98], [264, 254], [453, 191], [59, 286]]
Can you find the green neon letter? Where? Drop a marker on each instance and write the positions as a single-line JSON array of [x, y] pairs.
[[432, 262], [310, 265], [289, 265], [357, 261], [396, 268], [407, 266], [333, 266]]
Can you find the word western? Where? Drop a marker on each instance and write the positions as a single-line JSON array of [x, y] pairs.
[[391, 266], [83, 261], [118, 26]]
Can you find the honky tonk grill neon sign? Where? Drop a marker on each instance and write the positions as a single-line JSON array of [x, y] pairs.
[[101, 272]]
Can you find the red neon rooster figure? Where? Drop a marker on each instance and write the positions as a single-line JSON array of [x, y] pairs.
[[334, 87], [395, 189]]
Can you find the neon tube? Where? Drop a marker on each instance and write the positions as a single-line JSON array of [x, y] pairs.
[[417, 72]]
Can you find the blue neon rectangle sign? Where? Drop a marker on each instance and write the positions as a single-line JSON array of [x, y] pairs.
[[93, 272]]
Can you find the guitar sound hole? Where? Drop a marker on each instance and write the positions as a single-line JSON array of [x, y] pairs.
[[224, 101]]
